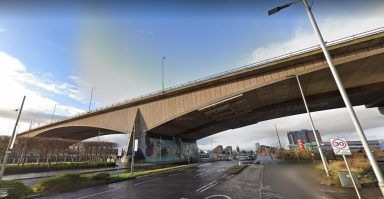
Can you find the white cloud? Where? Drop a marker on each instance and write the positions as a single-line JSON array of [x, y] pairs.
[[332, 27], [16, 81], [264, 132]]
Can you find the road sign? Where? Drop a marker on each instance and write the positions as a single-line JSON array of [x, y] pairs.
[[340, 146]]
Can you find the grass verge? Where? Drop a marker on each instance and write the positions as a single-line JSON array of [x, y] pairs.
[[129, 176], [14, 189], [33, 167], [73, 181], [358, 165]]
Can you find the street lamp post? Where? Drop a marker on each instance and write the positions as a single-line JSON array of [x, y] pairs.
[[53, 113], [162, 74], [90, 100], [344, 95], [278, 138], [323, 159], [11, 142]]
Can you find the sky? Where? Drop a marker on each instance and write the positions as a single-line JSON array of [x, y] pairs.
[[55, 52]]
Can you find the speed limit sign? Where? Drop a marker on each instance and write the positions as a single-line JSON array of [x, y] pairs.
[[340, 146]]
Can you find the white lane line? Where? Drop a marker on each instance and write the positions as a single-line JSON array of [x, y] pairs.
[[201, 169], [205, 186], [211, 169], [146, 181], [198, 175], [174, 174], [98, 193], [210, 186]]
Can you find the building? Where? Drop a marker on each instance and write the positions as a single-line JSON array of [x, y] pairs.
[[228, 150], [218, 150], [257, 146], [266, 150], [305, 135]]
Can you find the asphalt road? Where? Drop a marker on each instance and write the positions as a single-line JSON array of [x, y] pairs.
[[208, 180]]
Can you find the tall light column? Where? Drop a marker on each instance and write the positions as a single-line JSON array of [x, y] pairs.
[[162, 74], [323, 159], [344, 95], [11, 143], [90, 100], [53, 113]]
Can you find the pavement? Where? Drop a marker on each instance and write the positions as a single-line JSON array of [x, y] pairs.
[[207, 180]]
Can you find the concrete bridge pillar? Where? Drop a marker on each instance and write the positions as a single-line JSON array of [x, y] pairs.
[[381, 110]]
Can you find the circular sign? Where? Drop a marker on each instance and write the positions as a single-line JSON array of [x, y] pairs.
[[339, 143]]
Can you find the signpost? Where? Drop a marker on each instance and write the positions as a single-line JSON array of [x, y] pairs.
[[340, 147]]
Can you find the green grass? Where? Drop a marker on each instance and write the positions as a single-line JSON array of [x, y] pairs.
[[358, 165], [129, 176], [69, 181], [72, 181], [33, 167], [15, 189]]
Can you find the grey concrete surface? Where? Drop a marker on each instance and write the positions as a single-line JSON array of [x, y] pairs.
[[208, 180]]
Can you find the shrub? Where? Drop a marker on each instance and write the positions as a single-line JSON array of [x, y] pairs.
[[100, 176], [61, 183], [14, 189]]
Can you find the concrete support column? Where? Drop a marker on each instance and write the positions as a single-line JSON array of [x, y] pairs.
[[381, 110]]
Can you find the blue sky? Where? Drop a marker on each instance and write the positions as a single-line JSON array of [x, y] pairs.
[[68, 47]]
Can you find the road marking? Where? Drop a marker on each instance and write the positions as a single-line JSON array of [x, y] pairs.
[[211, 169], [201, 169], [174, 174], [205, 186], [146, 181], [98, 193], [208, 187], [215, 196], [198, 174]]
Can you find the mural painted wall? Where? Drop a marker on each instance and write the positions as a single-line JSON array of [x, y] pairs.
[[156, 148]]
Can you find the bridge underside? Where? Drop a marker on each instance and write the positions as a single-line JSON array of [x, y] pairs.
[[77, 132], [364, 80]]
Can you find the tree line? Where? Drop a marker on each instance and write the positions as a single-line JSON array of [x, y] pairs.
[[56, 150]]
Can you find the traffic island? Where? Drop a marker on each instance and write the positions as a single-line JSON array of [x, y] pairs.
[[236, 169]]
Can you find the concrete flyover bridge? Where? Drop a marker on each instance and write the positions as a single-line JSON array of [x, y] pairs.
[[240, 97]]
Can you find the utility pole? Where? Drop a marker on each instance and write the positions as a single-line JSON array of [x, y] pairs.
[[11, 143], [90, 100], [340, 86], [323, 159], [348, 104], [162, 74], [278, 137]]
